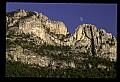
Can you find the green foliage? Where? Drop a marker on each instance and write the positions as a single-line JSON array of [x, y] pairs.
[[18, 69], [9, 44]]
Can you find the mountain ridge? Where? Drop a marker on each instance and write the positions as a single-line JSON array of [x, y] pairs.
[[33, 38]]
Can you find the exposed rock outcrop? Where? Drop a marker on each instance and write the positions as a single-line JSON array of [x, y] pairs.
[[97, 41], [32, 22], [87, 38]]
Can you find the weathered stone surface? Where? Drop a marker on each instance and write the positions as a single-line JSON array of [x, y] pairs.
[[87, 38], [57, 27], [105, 45], [39, 24]]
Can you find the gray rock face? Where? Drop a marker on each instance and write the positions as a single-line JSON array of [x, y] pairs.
[[38, 24], [87, 38], [97, 41]]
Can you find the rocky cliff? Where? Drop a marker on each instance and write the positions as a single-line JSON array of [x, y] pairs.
[[38, 24], [30, 34], [97, 41]]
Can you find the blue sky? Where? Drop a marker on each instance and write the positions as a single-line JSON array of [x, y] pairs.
[[101, 15]]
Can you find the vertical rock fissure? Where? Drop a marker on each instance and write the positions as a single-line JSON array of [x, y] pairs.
[[86, 33], [92, 43], [92, 40]]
